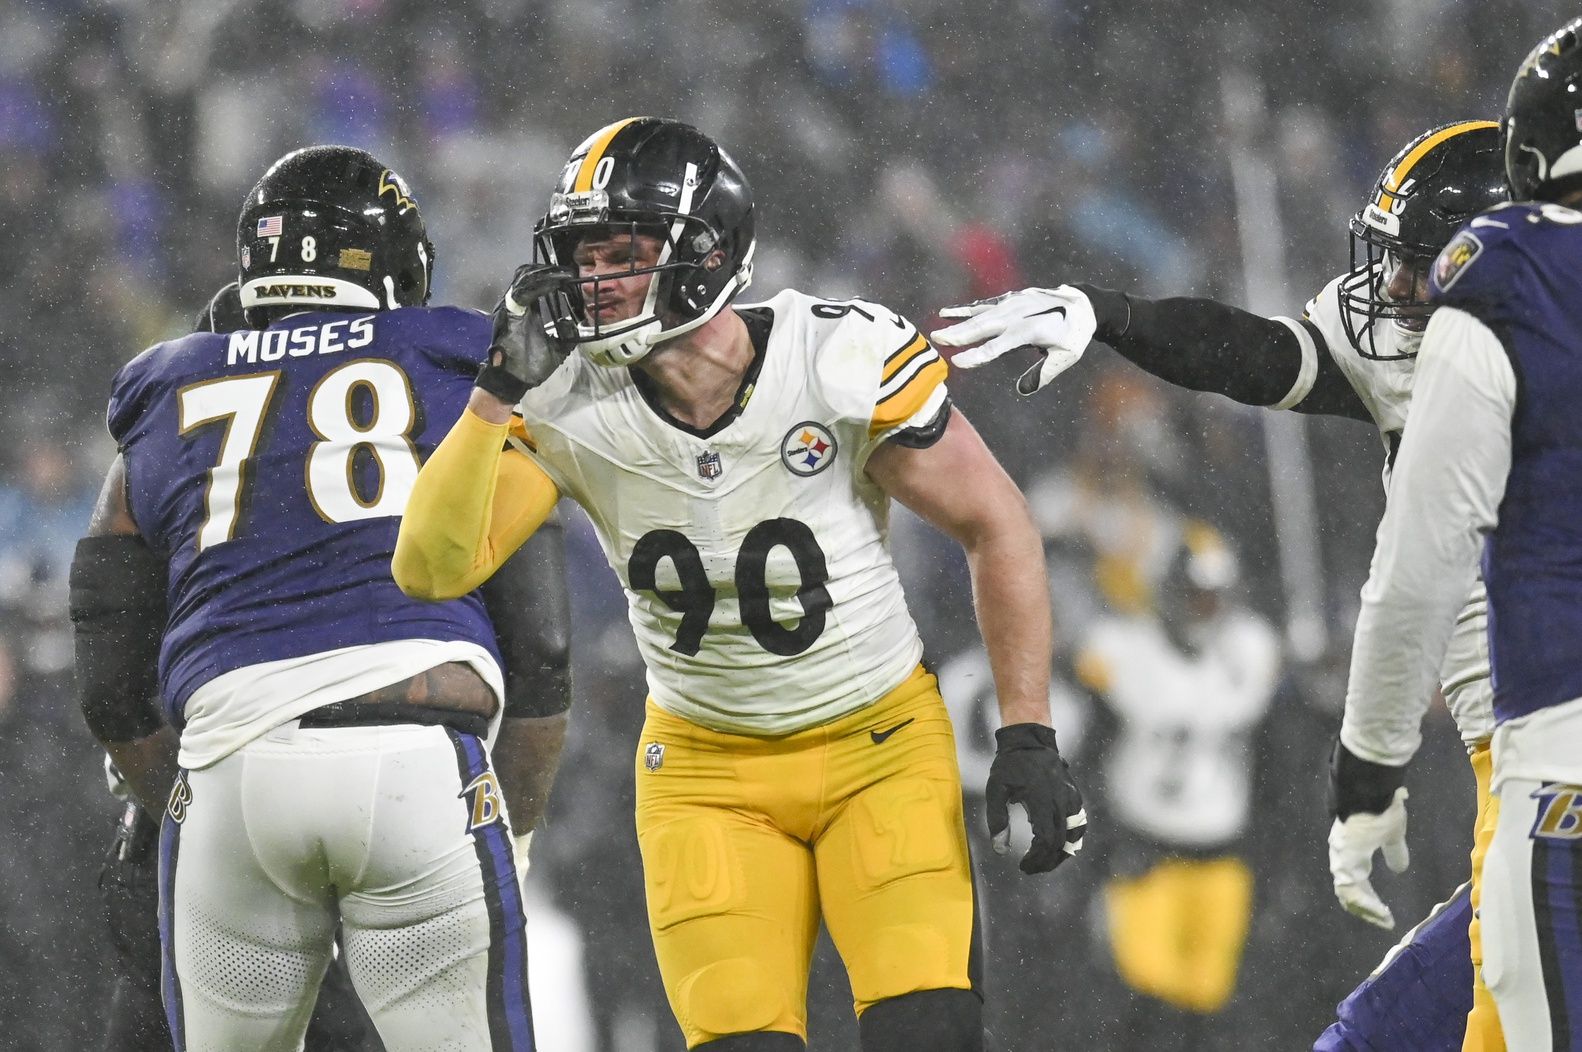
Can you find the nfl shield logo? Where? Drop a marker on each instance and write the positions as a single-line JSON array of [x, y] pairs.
[[654, 756], [709, 467]]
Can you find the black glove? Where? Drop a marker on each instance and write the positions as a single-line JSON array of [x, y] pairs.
[[224, 312], [533, 332], [1029, 770], [1358, 785], [129, 887]]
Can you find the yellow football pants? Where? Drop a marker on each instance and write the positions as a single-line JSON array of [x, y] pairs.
[[1483, 1022], [747, 841], [1179, 929]]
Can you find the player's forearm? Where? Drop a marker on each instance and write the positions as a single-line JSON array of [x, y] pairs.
[[148, 766], [1011, 595], [526, 756], [471, 507], [1201, 345]]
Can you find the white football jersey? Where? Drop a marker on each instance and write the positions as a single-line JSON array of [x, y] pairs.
[[755, 557], [1181, 768], [1385, 388]]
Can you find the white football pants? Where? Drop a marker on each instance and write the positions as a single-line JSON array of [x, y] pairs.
[[398, 836]]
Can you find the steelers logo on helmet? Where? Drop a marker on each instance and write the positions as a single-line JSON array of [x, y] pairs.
[[1438, 181], [649, 177], [808, 448]]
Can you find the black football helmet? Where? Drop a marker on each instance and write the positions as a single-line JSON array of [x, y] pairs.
[[662, 178], [331, 226], [1543, 119], [1439, 180]]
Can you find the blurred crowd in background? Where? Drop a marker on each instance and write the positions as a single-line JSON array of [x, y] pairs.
[[916, 152]]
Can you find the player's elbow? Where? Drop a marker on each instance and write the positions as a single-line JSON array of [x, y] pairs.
[[420, 575], [1002, 521]]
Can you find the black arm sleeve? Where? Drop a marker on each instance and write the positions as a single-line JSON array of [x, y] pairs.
[[527, 601], [118, 613], [1204, 345]]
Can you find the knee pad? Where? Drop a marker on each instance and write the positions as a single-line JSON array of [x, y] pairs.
[[732, 997], [926, 1021], [762, 1041]]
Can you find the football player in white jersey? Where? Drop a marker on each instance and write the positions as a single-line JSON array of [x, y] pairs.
[[797, 762], [1184, 684], [1351, 353]]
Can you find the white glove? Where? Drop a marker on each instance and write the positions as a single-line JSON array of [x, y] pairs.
[[1058, 322], [1351, 846], [519, 846]]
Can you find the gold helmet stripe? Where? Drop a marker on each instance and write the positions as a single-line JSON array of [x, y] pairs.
[[1398, 177], [601, 142]]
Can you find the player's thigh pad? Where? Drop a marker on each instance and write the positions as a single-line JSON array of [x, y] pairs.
[[246, 916], [731, 900], [432, 916], [1532, 915], [893, 868]]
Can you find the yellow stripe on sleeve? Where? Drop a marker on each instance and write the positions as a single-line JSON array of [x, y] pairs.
[[897, 361], [899, 406], [584, 180]]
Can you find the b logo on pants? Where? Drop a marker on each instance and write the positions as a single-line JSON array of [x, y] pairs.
[[180, 797], [1559, 812], [483, 793]]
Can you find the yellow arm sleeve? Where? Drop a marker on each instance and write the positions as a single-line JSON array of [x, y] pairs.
[[473, 505]]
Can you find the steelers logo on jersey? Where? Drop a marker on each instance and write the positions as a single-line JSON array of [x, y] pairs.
[[808, 448]]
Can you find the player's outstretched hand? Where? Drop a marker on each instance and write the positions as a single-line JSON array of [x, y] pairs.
[[1059, 323], [1369, 805], [533, 332], [1029, 770]]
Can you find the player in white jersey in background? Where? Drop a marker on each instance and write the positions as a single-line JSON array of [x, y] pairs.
[[797, 762], [1183, 685], [1351, 354]]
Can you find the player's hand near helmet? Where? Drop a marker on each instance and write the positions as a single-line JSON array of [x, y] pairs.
[[1369, 805], [1059, 323], [533, 335], [1029, 770]]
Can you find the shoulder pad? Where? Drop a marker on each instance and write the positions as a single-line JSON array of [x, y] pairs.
[[139, 379], [1482, 254], [897, 366]]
